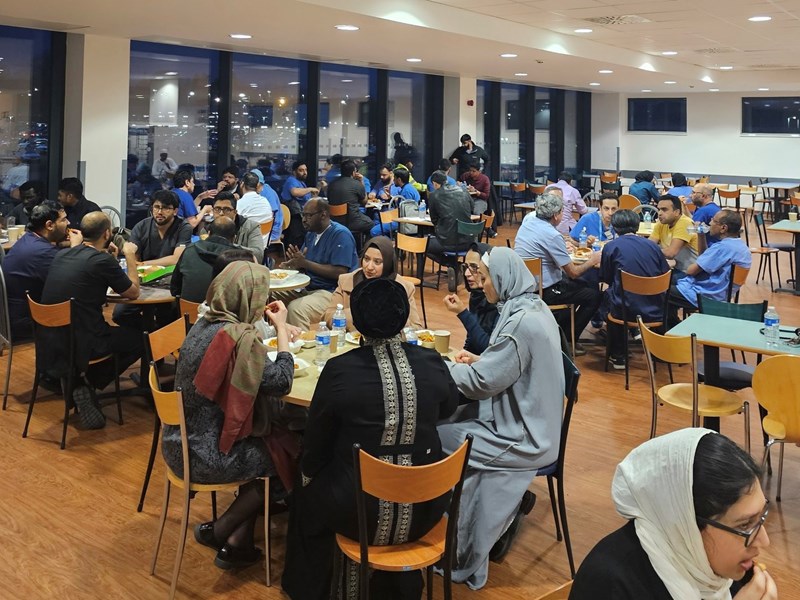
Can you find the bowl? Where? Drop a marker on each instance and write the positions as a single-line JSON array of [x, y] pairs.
[[308, 339], [300, 367], [425, 343], [272, 344], [353, 337]]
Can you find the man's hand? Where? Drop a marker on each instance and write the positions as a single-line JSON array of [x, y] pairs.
[[207, 194], [112, 249], [590, 241], [315, 191], [129, 249], [453, 303], [297, 258], [466, 358], [594, 259], [75, 237]]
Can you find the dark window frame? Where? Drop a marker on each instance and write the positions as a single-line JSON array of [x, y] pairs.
[[640, 121], [772, 111]]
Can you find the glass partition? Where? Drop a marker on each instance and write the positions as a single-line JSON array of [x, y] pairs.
[[405, 124]]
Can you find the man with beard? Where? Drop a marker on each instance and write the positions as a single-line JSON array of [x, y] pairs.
[[31, 193], [466, 153], [295, 194]]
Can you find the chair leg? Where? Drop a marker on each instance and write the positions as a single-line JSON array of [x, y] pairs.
[[562, 510], [161, 522], [572, 327], [187, 498], [67, 401], [552, 491], [34, 393], [338, 557], [422, 302], [769, 266], [780, 473], [625, 335], [150, 461], [608, 345], [267, 545], [116, 389], [429, 581], [8, 375], [746, 406], [778, 267], [653, 421], [214, 506]]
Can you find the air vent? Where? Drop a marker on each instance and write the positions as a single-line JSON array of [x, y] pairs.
[[719, 50], [619, 20]]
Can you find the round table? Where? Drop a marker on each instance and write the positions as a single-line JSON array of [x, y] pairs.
[[293, 282], [147, 295]]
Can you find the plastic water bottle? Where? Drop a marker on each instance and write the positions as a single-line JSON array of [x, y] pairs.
[[123, 264], [323, 338], [423, 209], [583, 237], [340, 324], [411, 336], [648, 219], [772, 327], [596, 247]]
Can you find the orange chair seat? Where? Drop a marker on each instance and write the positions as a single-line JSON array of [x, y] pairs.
[[403, 557], [774, 428], [712, 401]]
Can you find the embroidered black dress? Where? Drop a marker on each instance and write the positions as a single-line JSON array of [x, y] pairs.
[[388, 397]]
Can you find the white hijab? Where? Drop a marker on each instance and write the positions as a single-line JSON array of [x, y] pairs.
[[653, 486]]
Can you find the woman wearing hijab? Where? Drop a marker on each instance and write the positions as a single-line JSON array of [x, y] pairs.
[[695, 510], [387, 396], [230, 391], [377, 260], [515, 394]]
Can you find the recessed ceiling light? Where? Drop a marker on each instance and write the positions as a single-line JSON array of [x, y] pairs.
[[594, 83], [347, 28], [347, 81], [670, 82], [171, 73], [240, 36], [293, 83], [253, 85], [669, 53], [759, 19], [520, 74], [713, 89], [645, 91], [726, 68], [763, 89], [413, 60], [605, 71], [508, 55], [583, 30]]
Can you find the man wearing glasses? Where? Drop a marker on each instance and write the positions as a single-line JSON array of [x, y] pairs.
[[248, 231]]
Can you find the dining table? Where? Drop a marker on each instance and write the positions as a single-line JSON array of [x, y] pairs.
[[792, 227], [777, 187]]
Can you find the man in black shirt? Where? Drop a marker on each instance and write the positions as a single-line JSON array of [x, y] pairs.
[[348, 190], [160, 239], [193, 273], [31, 193], [466, 153], [70, 195], [85, 272]]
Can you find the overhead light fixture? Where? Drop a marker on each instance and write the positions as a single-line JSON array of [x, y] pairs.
[[726, 68], [763, 89], [293, 83], [520, 74], [605, 71], [347, 28], [645, 91], [583, 30], [414, 60], [759, 19], [669, 53], [713, 89], [240, 36], [508, 55], [670, 82], [347, 81], [171, 73], [253, 85], [594, 83]]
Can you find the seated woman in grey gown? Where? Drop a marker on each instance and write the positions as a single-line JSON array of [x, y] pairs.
[[230, 393], [387, 396], [515, 393]]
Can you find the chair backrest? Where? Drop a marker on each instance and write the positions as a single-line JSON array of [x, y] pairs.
[[571, 377], [114, 216], [414, 245], [730, 194], [287, 217], [169, 408], [628, 202], [738, 277], [50, 315], [536, 189], [474, 230], [189, 308], [5, 321], [615, 187], [338, 210], [745, 312], [266, 227], [666, 175], [165, 341], [761, 228], [703, 179], [560, 593], [535, 267], [645, 286], [609, 177], [518, 187], [488, 220], [387, 216], [776, 384]]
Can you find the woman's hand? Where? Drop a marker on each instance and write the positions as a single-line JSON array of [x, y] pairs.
[[294, 332], [276, 313], [760, 587], [466, 358], [453, 303]]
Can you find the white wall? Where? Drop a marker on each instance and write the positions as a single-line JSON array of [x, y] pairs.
[[713, 143]]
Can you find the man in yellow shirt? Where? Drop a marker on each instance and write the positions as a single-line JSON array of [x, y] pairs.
[[673, 233]]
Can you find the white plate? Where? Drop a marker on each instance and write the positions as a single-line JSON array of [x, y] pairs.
[[282, 274], [293, 346], [354, 339]]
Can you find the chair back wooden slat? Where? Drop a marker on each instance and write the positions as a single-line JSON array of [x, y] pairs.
[[671, 349], [166, 340], [645, 286], [776, 384], [189, 308], [415, 245], [166, 402], [50, 315]]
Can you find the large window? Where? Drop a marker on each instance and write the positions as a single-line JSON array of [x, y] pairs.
[[542, 140], [511, 152], [25, 72], [771, 115], [657, 114], [266, 115], [405, 123]]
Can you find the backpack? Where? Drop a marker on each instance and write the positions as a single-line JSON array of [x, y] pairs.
[[408, 208]]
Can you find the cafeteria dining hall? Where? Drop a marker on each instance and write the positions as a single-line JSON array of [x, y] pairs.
[[442, 299]]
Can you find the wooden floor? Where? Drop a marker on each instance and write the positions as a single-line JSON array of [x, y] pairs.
[[70, 527]]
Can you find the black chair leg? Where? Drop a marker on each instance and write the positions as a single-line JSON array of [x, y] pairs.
[[214, 506], [625, 334], [34, 393], [422, 302], [552, 491], [116, 389], [67, 403], [150, 462], [562, 509], [429, 581]]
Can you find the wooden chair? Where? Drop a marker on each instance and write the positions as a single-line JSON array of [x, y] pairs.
[[338, 210], [488, 221], [556, 470], [159, 344], [700, 400], [606, 177], [287, 219], [417, 248], [516, 191], [764, 242], [474, 231], [560, 593], [752, 191], [61, 315], [405, 485], [736, 280], [735, 197], [387, 217], [628, 202], [5, 334], [169, 406], [189, 312], [535, 267], [641, 286], [776, 384]]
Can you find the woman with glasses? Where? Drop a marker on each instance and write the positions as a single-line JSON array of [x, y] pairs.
[[696, 513]]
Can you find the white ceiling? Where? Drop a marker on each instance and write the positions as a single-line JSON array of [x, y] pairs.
[[466, 37]]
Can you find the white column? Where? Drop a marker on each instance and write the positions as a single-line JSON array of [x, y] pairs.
[[96, 114], [460, 111]]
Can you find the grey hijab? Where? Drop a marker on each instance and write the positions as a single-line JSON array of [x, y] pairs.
[[513, 283]]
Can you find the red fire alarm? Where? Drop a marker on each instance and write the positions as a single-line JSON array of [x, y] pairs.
[[470, 102]]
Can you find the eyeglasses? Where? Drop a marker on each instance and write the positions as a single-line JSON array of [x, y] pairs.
[[750, 535], [161, 208], [472, 267], [306, 215], [223, 210]]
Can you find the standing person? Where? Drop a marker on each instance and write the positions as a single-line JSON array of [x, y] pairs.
[[672, 234], [275, 205], [183, 187], [465, 153], [231, 397], [387, 396], [643, 188], [70, 195], [295, 194], [515, 395], [164, 168], [350, 191], [572, 202], [695, 514]]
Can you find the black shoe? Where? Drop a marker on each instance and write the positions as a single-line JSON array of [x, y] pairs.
[[90, 414], [491, 233], [617, 362], [230, 557], [503, 545], [579, 350], [204, 534]]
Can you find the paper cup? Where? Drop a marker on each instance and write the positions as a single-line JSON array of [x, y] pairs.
[[793, 216], [334, 342], [15, 232], [441, 341]]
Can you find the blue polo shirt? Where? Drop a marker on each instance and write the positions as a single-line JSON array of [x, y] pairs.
[[186, 207], [537, 238], [715, 264], [277, 214], [683, 190], [450, 181], [410, 192], [334, 246], [704, 214], [594, 226], [290, 184]]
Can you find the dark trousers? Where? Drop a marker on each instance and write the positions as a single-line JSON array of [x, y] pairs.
[[436, 251], [127, 344], [616, 339], [676, 300], [586, 299]]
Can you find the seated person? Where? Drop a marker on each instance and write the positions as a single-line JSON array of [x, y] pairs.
[[31, 193], [231, 392], [253, 205], [443, 166], [360, 396], [480, 316], [672, 234], [638, 256], [643, 188], [478, 186], [275, 204], [192, 274], [295, 194], [597, 223], [377, 260], [228, 183], [695, 514], [679, 187], [70, 195], [404, 188], [706, 208], [348, 190], [710, 275], [27, 263], [328, 252], [447, 205], [538, 238], [248, 231], [572, 202], [189, 207], [160, 239], [517, 383], [85, 272], [383, 191]]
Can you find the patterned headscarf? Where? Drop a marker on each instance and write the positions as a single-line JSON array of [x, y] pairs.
[[231, 370]]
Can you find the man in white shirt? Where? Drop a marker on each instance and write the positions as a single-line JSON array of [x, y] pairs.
[[572, 202], [252, 204], [164, 168]]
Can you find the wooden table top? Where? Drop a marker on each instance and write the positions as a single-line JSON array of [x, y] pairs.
[[147, 295]]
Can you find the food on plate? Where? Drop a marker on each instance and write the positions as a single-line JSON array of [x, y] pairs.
[[356, 336], [278, 274], [425, 336], [296, 366], [272, 342], [583, 252]]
